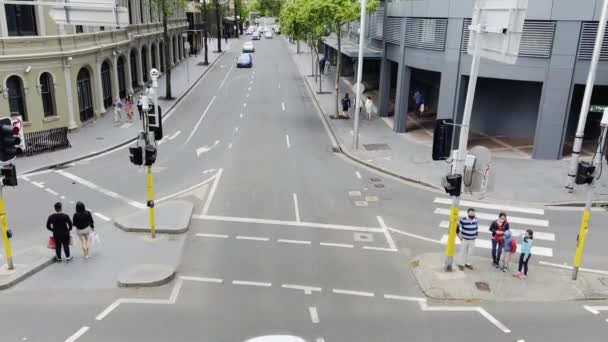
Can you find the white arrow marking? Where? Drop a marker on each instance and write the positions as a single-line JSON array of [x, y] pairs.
[[209, 171], [206, 149]]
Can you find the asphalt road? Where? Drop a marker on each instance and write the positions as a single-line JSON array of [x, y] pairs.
[[288, 238]]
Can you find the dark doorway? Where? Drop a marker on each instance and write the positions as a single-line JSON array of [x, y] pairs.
[[133, 62], [85, 97], [106, 84], [122, 77], [154, 64], [144, 63], [599, 101]]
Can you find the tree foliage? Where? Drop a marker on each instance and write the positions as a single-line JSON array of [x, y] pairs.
[[269, 8]]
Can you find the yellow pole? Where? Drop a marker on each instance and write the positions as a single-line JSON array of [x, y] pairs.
[[580, 246], [450, 249], [151, 201], [7, 244]]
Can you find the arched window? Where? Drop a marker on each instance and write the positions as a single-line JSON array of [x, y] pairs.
[[16, 100], [144, 63], [106, 84], [141, 11], [133, 62], [85, 95], [47, 93]]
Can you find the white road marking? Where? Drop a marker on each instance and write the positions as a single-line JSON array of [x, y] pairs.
[[492, 217], [287, 141], [39, 184], [314, 315], [241, 115], [26, 178], [186, 190], [482, 311], [175, 291], [109, 309], [236, 129], [62, 197], [493, 320], [595, 309], [247, 95], [218, 176], [353, 293], [209, 171], [279, 85], [249, 88], [250, 82], [254, 238], [405, 298], [126, 125], [387, 234], [98, 188], [296, 207], [174, 135], [487, 244], [230, 146], [567, 267], [306, 289], [506, 208], [251, 283], [245, 105], [320, 339], [415, 236], [203, 279], [101, 216], [331, 244], [485, 229], [225, 78], [220, 236], [383, 249], [51, 191], [77, 334], [358, 174], [200, 120], [288, 223], [283, 105], [295, 242], [205, 149]]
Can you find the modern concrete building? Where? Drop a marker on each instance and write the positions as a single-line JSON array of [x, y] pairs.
[[531, 107], [66, 75]]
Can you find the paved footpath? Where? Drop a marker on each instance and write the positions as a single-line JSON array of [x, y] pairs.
[[517, 180], [103, 134]]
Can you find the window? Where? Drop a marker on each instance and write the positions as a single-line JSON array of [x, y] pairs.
[[141, 11], [21, 20], [131, 14], [47, 94], [133, 63], [16, 101], [79, 29], [102, 28]]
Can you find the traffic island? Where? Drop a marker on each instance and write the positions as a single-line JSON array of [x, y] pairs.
[[172, 217], [26, 264], [146, 275], [484, 282]]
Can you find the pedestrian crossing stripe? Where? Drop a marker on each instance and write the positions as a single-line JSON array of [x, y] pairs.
[[487, 244], [498, 207], [492, 217], [485, 229]]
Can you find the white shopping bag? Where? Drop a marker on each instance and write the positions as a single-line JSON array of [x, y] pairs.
[[95, 239]]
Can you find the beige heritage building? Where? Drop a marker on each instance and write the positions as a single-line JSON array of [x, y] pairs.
[[65, 75]]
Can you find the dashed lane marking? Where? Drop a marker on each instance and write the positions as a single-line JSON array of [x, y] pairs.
[[314, 315], [353, 293], [287, 142], [296, 207], [77, 334], [331, 244], [198, 123], [51, 191], [219, 236], [101, 216], [306, 289], [295, 242], [253, 238], [251, 283]]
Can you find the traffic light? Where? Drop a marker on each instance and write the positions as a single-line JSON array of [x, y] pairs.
[[9, 175], [453, 185], [136, 155], [155, 122], [442, 139], [584, 173], [150, 155], [9, 139]]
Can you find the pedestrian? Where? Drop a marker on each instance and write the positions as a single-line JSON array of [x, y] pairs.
[[327, 66], [526, 253], [322, 66], [83, 220], [498, 229], [369, 107], [345, 106], [510, 249], [129, 107], [468, 231], [419, 102], [118, 108], [140, 106], [61, 225]]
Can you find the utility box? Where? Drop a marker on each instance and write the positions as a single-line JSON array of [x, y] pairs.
[[479, 177]]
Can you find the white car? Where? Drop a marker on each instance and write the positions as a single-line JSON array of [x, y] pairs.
[[268, 35], [248, 47]]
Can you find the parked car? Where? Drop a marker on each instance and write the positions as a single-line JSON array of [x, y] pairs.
[[244, 61], [248, 47], [255, 36], [268, 35]]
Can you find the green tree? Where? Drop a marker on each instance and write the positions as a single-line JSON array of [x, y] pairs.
[[293, 21], [269, 8]]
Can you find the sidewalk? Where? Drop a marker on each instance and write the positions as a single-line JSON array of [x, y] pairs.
[[103, 134], [407, 156]]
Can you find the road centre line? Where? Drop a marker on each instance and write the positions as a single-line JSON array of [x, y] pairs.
[[492, 217], [383, 249], [51, 191], [251, 283], [296, 207], [39, 184], [306, 289], [226, 78], [288, 223], [200, 120], [186, 190], [218, 176], [331, 244], [283, 105], [567, 267], [314, 315], [506, 208], [353, 293], [287, 141], [98, 188], [387, 234], [109, 309], [219, 236], [295, 242], [77, 334], [101, 216], [253, 238], [203, 279], [246, 95]]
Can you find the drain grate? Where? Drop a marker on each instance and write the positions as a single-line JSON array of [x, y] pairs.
[[482, 286], [374, 179], [376, 147], [379, 185], [364, 237]]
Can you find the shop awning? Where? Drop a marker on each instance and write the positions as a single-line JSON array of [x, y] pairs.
[[351, 49]]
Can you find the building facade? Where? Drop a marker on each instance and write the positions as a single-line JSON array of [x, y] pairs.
[[66, 75], [535, 102]]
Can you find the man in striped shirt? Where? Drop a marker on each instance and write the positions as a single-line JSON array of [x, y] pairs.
[[469, 229]]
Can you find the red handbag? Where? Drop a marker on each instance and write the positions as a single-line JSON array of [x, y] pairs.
[[51, 244]]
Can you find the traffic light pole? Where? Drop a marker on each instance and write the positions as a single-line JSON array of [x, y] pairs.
[[584, 229], [150, 177], [462, 152], [7, 243]]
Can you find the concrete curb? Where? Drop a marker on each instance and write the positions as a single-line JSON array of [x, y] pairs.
[[153, 276], [173, 217], [39, 266], [130, 140]]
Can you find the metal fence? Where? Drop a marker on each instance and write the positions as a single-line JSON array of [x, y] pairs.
[[49, 140]]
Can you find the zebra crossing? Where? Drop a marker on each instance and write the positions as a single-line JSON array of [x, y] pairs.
[[520, 219]]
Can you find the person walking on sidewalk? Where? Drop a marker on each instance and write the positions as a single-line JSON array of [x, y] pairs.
[[129, 107], [419, 101], [61, 225], [345, 106], [140, 106], [369, 107], [468, 231], [83, 220], [118, 108], [526, 253], [498, 229], [510, 249]]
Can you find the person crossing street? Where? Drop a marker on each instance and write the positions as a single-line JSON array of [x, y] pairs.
[[61, 225]]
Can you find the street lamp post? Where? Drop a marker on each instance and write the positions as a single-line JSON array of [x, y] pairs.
[[358, 87], [206, 60]]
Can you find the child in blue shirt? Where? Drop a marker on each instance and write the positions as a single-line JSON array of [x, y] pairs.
[[510, 247], [526, 253]]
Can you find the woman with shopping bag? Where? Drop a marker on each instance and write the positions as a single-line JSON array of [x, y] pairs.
[[83, 220]]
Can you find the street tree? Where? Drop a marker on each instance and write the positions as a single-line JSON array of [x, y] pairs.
[[318, 18], [203, 8], [293, 21], [270, 8]]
